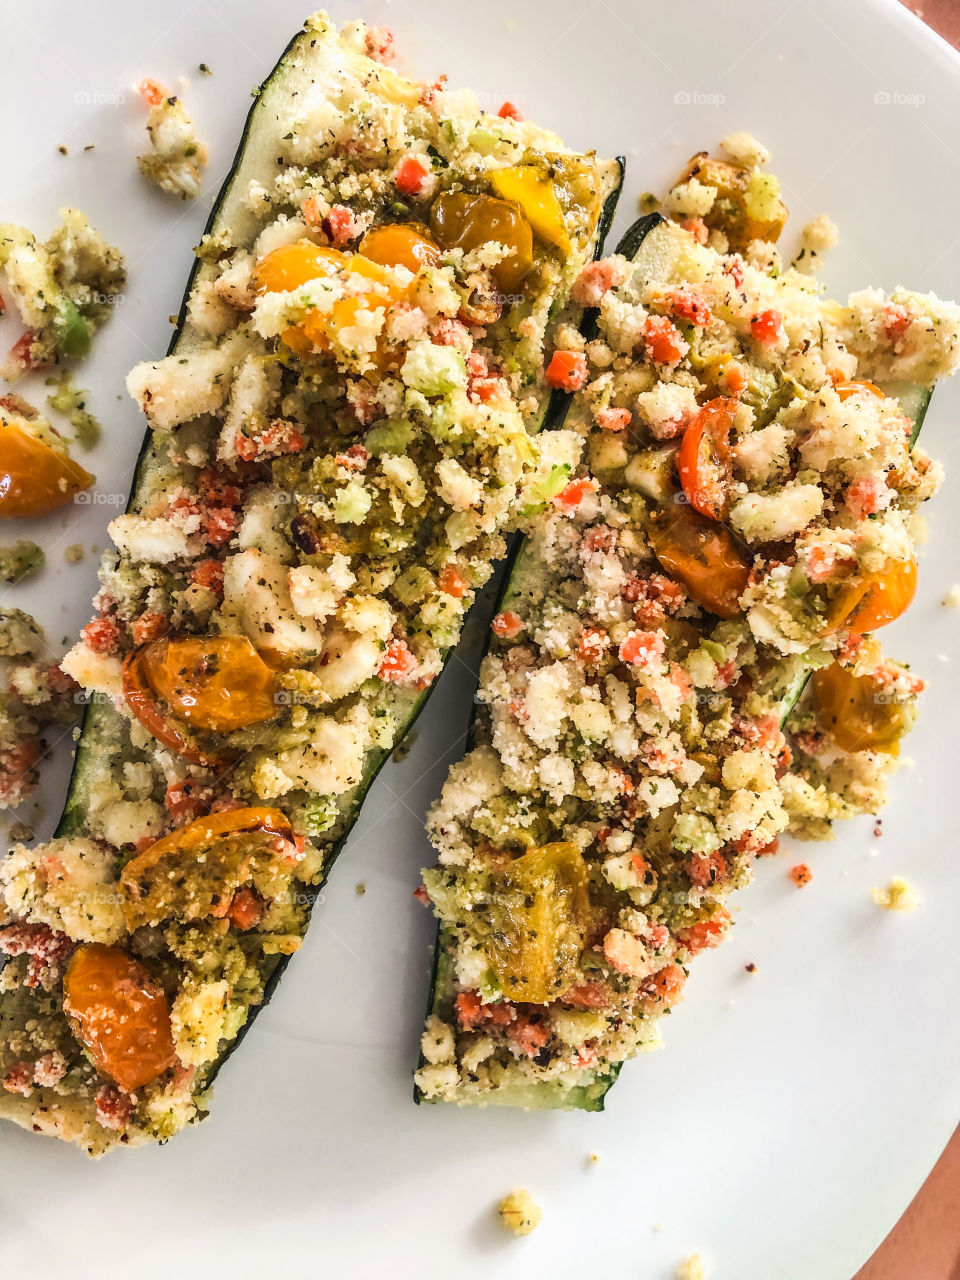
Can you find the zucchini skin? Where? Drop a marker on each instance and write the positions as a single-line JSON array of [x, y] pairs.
[[915, 400]]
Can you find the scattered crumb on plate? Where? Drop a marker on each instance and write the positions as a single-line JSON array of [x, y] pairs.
[[691, 1269], [519, 1212], [952, 599], [897, 896]]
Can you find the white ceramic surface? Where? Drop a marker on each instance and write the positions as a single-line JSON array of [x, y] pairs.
[[793, 1113]]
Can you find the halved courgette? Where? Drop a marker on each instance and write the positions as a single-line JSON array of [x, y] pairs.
[[113, 754], [652, 252]]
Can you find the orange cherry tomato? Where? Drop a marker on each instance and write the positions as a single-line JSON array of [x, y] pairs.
[[461, 220], [213, 683], [401, 244], [119, 1015], [194, 871], [35, 478], [704, 459], [859, 711], [293, 265], [703, 555], [847, 389], [877, 598]]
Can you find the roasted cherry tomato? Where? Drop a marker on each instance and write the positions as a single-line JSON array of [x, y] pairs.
[[293, 265], [859, 711], [705, 556], [213, 683], [536, 194], [877, 598], [704, 459], [401, 244], [538, 917], [194, 872], [461, 220], [119, 1015], [35, 478]]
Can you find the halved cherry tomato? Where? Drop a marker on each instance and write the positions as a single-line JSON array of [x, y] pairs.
[[35, 478], [461, 220], [195, 871], [705, 556], [847, 389], [704, 459], [877, 598], [214, 683], [401, 244], [859, 711], [119, 1015], [292, 265], [536, 194]]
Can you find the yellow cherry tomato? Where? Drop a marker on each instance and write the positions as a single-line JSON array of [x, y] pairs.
[[859, 711], [119, 1015], [35, 478]]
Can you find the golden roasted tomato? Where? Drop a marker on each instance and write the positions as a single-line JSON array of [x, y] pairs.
[[538, 915], [536, 194], [401, 244], [213, 683], [293, 265], [877, 598], [35, 478], [119, 1015], [703, 555], [859, 711], [461, 220], [194, 872]]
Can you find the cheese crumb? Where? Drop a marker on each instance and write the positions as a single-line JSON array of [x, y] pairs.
[[897, 896], [691, 1269], [952, 599], [519, 1212]]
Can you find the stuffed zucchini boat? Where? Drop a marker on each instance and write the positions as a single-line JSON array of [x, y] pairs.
[[743, 515], [346, 416]]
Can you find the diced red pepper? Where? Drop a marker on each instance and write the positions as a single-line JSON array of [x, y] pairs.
[[509, 112], [102, 635], [507, 625], [766, 327], [663, 342], [452, 582], [410, 176], [567, 370], [398, 663]]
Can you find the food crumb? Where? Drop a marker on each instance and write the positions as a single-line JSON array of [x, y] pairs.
[[62, 149], [952, 599], [519, 1212], [593, 1157], [19, 833], [204, 69], [20, 560], [750, 967], [800, 874], [897, 896], [361, 889], [691, 1269], [74, 553]]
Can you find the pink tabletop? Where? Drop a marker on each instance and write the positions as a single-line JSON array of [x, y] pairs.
[[925, 1243]]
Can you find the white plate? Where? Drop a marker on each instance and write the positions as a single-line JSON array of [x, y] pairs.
[[793, 1113]]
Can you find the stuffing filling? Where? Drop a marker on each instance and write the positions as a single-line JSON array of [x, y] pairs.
[[745, 513]]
